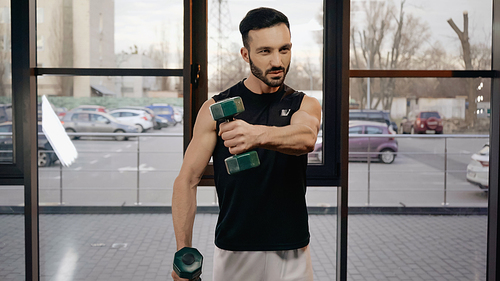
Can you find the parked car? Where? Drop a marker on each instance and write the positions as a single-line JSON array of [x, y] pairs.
[[5, 112], [372, 115], [381, 148], [178, 115], [478, 168], [46, 156], [96, 108], [161, 122], [164, 110], [95, 122], [139, 118], [143, 108], [423, 122]]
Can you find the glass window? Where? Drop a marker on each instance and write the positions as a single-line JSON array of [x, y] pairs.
[[5, 79], [98, 118], [115, 114], [111, 34], [118, 178], [422, 154], [454, 100], [225, 64], [373, 130], [129, 114], [485, 150], [356, 130], [429, 114], [420, 34], [160, 110], [358, 115], [108, 171], [226, 67]]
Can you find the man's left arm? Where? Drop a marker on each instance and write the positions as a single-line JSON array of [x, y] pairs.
[[295, 139]]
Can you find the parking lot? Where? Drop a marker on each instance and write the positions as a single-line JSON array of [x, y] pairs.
[[106, 173]]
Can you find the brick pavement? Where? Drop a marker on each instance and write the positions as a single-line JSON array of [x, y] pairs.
[[381, 247]]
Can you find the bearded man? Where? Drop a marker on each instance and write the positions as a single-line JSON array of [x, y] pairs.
[[262, 230]]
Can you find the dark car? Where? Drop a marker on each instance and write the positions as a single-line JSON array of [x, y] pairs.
[[423, 122], [5, 112], [161, 122], [164, 110], [361, 147], [46, 155], [372, 115]]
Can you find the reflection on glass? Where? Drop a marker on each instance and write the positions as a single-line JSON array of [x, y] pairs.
[[67, 267], [109, 34], [421, 34]]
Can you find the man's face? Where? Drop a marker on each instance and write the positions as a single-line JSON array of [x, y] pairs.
[[270, 54]]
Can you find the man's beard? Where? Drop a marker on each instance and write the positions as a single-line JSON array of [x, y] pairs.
[[257, 72]]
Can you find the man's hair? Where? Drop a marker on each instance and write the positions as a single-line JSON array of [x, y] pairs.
[[261, 18]]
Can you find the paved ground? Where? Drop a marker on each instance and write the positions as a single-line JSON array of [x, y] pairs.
[[141, 247]]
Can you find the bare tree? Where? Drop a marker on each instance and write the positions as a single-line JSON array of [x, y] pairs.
[[404, 35], [377, 21], [464, 40], [476, 56], [232, 70]]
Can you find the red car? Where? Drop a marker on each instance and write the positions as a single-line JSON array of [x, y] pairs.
[[424, 122]]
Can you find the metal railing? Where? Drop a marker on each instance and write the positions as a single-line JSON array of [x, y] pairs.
[[446, 153], [138, 169]]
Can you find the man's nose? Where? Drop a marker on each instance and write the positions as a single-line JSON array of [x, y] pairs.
[[276, 59]]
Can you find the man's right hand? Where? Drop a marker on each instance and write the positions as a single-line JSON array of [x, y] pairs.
[[176, 277]]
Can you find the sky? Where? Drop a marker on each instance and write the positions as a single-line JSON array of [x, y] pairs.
[[147, 22]]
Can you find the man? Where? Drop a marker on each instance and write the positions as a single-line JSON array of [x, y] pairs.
[[262, 231]]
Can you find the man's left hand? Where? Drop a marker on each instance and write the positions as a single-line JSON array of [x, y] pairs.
[[239, 136]]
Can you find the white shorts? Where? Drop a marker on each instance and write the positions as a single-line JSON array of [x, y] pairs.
[[263, 266]]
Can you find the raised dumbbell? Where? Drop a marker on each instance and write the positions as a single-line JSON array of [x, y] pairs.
[[225, 110], [187, 263]]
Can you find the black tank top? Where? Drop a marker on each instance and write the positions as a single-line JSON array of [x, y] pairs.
[[264, 208]]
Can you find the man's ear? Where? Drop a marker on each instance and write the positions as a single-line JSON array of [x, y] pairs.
[[244, 54]]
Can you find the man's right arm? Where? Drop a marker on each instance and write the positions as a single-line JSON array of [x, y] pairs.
[[196, 158]]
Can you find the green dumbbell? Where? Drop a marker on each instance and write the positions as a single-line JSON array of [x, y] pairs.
[[225, 110], [187, 263]]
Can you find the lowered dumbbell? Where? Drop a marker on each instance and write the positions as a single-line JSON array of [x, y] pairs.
[[187, 263], [225, 110]]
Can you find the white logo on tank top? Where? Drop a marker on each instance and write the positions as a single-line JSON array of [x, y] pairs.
[[285, 112]]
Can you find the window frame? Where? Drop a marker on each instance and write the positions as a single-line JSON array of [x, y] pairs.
[[24, 170]]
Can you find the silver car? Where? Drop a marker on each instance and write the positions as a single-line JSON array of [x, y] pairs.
[[95, 122]]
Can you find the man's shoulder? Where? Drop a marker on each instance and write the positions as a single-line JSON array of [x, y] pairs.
[[291, 93], [229, 93]]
